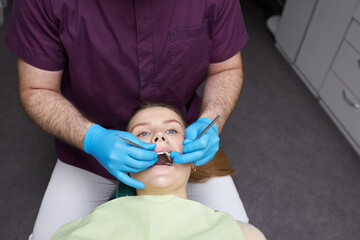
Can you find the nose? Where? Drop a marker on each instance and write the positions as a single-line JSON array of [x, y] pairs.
[[159, 138]]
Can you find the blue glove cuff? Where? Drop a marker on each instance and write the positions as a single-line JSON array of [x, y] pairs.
[[208, 121], [89, 135]]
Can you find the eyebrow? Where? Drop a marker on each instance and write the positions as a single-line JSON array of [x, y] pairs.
[[148, 123]]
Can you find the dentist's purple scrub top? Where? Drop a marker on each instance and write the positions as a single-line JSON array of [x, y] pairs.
[[116, 53]]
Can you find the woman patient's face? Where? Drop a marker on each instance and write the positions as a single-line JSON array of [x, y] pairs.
[[164, 127]]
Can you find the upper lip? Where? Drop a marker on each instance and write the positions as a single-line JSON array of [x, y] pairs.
[[162, 150]]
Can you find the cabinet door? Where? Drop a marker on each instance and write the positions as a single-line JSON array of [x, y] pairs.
[[327, 28], [344, 106], [357, 13], [292, 26]]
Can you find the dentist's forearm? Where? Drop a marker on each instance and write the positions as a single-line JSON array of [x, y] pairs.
[[221, 93], [45, 105], [54, 114]]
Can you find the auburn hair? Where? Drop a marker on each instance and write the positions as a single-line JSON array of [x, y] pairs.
[[219, 166]]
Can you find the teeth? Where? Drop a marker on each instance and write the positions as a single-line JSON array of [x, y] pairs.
[[166, 153], [168, 157]]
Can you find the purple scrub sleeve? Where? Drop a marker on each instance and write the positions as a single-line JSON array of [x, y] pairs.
[[229, 34], [33, 35], [116, 54]]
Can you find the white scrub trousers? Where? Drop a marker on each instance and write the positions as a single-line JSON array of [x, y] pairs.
[[73, 193]]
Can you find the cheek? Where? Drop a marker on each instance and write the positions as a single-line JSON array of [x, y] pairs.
[[177, 143], [140, 176], [146, 139], [184, 171]]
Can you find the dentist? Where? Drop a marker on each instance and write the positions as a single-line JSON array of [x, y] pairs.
[[85, 65]]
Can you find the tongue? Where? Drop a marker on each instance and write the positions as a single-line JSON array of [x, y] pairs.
[[164, 160]]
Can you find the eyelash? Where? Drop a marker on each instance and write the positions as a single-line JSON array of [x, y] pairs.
[[140, 134], [171, 130], [168, 131]]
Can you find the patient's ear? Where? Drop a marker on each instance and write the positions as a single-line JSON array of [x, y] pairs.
[[250, 232], [193, 168]]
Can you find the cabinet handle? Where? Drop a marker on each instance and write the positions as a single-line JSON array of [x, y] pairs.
[[359, 62], [354, 105]]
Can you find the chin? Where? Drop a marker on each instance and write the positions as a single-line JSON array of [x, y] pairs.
[[159, 178], [160, 182]]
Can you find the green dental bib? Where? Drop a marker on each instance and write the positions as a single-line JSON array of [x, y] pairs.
[[152, 218]]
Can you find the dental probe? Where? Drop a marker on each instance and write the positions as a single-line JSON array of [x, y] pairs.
[[131, 143], [207, 128]]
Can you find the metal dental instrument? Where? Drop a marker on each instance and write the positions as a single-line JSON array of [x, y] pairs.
[[131, 143], [207, 128]]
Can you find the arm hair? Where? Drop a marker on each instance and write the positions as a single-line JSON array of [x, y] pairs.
[[222, 89], [41, 97]]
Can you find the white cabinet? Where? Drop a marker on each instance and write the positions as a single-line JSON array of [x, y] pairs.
[[346, 66], [290, 31], [326, 55], [357, 14], [343, 106], [327, 28]]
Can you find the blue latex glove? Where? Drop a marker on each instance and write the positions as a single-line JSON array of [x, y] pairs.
[[201, 150], [117, 156]]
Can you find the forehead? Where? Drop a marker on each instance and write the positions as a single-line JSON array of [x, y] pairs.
[[154, 114]]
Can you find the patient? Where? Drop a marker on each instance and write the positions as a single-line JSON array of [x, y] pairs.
[[160, 210]]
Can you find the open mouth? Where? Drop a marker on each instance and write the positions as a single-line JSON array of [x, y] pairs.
[[164, 159]]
